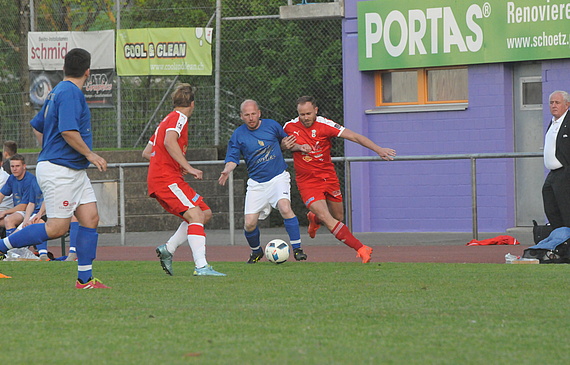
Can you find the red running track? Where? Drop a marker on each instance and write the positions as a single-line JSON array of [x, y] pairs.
[[337, 253]]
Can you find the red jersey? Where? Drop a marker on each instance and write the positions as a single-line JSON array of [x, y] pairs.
[[163, 169], [316, 164]]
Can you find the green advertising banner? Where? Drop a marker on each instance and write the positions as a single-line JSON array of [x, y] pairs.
[[164, 51], [395, 34]]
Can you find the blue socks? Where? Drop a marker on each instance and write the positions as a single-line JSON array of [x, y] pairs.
[[73, 229], [253, 239], [86, 251], [30, 236], [292, 228], [42, 248]]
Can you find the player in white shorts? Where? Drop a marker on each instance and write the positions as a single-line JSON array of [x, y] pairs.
[[259, 141], [63, 126]]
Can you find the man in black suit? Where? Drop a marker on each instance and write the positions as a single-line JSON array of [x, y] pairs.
[[556, 188]]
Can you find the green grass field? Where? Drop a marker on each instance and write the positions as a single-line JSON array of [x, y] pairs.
[[295, 313]]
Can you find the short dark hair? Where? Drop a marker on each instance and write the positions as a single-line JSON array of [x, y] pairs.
[[183, 96], [76, 62], [307, 99], [10, 147], [18, 157]]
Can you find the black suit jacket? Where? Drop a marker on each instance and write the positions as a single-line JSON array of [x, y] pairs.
[[563, 142]]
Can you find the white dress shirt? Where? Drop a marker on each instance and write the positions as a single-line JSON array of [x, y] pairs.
[[550, 160]]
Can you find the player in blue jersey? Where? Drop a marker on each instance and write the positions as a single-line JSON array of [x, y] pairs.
[[34, 198], [21, 185], [260, 141], [63, 126], [26, 193]]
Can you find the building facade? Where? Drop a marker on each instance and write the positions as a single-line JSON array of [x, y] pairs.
[[502, 107]]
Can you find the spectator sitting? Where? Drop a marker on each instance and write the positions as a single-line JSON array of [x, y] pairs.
[[21, 185]]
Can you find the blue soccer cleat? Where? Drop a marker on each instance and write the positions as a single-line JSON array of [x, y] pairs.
[[165, 258], [207, 271]]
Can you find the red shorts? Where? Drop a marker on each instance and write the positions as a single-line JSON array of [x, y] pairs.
[[319, 190], [177, 198]]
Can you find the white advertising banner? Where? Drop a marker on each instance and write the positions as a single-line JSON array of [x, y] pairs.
[[46, 50]]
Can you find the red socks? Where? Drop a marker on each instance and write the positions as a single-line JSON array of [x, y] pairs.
[[196, 229], [342, 233]]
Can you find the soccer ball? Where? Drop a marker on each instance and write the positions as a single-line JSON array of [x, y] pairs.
[[277, 251]]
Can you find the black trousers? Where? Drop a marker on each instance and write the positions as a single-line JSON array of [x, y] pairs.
[[556, 197]]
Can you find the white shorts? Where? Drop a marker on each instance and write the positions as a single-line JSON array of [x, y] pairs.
[[64, 189], [260, 197]]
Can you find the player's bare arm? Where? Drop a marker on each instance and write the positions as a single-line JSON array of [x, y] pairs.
[[17, 208], [73, 138], [171, 144], [147, 151], [225, 174], [39, 136], [38, 217], [288, 142], [28, 214], [306, 148], [384, 152]]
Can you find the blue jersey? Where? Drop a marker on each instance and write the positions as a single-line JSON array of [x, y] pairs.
[[64, 110], [260, 148], [24, 191], [35, 196]]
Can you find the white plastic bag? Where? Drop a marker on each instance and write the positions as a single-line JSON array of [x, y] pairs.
[[20, 254]]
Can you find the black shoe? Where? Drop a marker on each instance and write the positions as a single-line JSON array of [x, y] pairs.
[[255, 256], [299, 254]]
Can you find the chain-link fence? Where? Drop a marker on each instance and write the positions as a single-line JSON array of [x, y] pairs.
[[262, 57]]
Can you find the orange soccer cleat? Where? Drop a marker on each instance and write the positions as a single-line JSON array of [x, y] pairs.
[[364, 253], [91, 284], [313, 225]]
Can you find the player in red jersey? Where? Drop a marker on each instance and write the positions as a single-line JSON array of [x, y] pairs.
[[166, 151], [315, 174]]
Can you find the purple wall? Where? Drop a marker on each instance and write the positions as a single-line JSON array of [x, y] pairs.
[[408, 196], [555, 76]]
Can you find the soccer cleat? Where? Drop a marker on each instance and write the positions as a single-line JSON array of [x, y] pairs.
[[299, 254], [71, 257], [313, 225], [44, 257], [2, 256], [364, 253], [165, 259], [255, 256], [207, 271], [91, 284]]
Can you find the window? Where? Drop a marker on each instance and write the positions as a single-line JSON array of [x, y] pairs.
[[531, 93], [422, 86]]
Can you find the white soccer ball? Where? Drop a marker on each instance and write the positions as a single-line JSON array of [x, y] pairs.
[[277, 251]]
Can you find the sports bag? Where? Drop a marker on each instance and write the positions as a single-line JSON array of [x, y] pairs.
[[540, 232], [559, 255]]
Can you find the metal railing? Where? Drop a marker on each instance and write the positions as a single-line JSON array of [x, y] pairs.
[[348, 182], [473, 157]]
